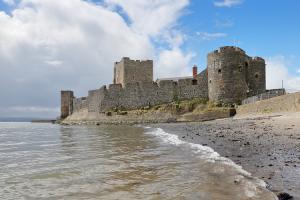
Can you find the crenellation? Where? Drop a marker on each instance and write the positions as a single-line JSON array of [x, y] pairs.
[[256, 58], [131, 71], [228, 49], [230, 77]]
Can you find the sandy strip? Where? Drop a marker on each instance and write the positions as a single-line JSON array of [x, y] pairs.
[[266, 146]]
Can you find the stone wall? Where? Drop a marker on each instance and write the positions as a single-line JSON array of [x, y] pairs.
[[226, 75], [66, 103], [202, 81], [131, 71], [267, 95], [280, 104], [94, 99], [233, 75], [80, 103], [140, 94], [256, 76]]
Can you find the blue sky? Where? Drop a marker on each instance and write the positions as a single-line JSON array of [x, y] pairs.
[[266, 28], [49, 45]]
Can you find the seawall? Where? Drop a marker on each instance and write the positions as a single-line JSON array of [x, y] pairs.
[[280, 104]]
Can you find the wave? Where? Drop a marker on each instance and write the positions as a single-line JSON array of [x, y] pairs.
[[204, 152]]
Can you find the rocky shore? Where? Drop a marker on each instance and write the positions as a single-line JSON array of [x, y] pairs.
[[267, 147]]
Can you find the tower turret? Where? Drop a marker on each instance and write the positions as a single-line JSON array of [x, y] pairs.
[[226, 75], [66, 103]]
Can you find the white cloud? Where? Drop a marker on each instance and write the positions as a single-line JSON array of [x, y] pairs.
[[277, 71], [227, 3], [298, 70], [49, 45], [151, 17], [174, 63], [211, 36]]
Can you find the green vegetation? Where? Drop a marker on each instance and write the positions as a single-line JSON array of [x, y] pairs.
[[178, 107]]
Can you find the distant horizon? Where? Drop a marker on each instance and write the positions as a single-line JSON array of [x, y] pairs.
[[22, 119]]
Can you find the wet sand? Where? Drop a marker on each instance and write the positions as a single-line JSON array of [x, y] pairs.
[[268, 147]]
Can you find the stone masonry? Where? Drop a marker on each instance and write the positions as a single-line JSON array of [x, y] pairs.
[[131, 71], [67, 98], [234, 76], [230, 77]]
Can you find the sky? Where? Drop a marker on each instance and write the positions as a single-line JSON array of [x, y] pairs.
[[50, 45]]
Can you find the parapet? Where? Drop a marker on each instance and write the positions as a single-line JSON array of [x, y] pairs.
[[258, 59], [139, 62], [115, 87], [228, 49]]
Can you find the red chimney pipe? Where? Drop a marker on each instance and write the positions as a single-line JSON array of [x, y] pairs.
[[195, 71]]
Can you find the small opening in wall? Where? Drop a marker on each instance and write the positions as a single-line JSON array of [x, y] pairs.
[[219, 71], [240, 68], [246, 64], [256, 75], [209, 81], [194, 82]]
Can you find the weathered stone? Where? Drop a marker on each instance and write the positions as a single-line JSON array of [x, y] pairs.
[[230, 77], [233, 76], [66, 103]]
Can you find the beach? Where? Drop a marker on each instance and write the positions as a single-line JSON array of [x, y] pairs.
[[266, 146]]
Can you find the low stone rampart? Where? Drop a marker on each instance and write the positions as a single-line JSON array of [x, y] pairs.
[[267, 95], [280, 104]]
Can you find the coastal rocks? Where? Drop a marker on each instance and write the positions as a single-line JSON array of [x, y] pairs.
[[262, 146], [284, 196]]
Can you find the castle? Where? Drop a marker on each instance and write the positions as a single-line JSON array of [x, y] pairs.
[[230, 77]]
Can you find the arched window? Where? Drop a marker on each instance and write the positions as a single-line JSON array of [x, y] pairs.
[[256, 75], [219, 71]]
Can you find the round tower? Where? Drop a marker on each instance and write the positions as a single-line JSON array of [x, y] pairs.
[[256, 76], [227, 75]]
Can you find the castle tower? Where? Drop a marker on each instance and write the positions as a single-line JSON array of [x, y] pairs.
[[132, 71], [66, 103], [256, 76], [227, 75]]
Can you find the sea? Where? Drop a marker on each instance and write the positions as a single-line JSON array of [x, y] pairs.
[[48, 161]]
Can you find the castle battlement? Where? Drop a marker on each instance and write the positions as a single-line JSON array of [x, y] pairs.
[[231, 76], [259, 59], [228, 49]]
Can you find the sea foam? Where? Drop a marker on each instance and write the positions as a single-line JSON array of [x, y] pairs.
[[206, 153]]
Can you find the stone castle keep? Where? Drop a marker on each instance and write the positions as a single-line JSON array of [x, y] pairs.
[[230, 77]]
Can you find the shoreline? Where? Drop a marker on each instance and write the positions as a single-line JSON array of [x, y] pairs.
[[266, 146]]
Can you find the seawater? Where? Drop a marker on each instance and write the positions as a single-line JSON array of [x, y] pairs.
[[45, 161]]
